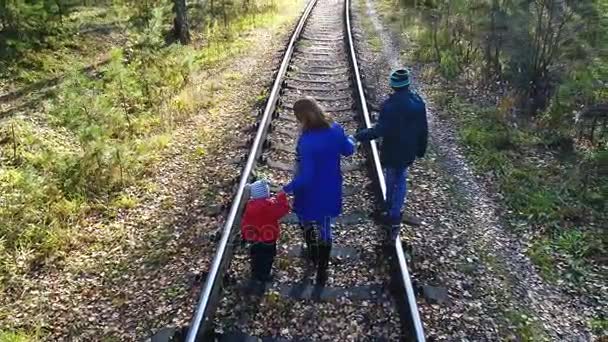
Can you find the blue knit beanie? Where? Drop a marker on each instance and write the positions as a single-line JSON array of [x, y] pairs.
[[259, 189], [399, 78]]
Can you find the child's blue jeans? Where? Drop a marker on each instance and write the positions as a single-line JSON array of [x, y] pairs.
[[396, 189]]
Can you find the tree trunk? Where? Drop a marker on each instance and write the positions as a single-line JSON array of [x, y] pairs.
[[181, 29], [224, 14], [3, 15], [436, 43]]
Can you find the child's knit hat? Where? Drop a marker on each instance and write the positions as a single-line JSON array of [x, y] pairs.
[[259, 189], [399, 78]]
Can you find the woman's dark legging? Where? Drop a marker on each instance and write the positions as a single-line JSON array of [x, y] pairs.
[[318, 239], [323, 229]]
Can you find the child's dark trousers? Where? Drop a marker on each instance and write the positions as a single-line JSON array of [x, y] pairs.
[[262, 256]]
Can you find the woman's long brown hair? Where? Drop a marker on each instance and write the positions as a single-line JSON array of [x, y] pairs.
[[310, 114]]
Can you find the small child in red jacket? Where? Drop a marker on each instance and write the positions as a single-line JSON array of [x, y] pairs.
[[260, 226]]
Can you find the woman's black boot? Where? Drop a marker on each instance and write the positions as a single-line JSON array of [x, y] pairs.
[[312, 247], [323, 263]]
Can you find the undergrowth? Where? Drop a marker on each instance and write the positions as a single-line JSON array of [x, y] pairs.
[[98, 135], [561, 203], [527, 329], [18, 336], [554, 188], [43, 47]]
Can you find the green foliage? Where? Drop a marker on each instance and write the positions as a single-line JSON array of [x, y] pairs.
[[36, 23], [541, 254], [102, 133], [555, 199], [142, 13], [546, 56], [9, 336], [448, 65], [574, 243], [600, 326], [573, 246], [542, 48], [488, 159], [527, 329], [490, 139], [582, 86], [40, 39], [28, 18], [110, 115], [528, 198], [125, 202]]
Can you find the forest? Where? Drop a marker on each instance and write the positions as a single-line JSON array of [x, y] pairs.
[[92, 93], [526, 81], [108, 83]]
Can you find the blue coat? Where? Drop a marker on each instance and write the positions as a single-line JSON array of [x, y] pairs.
[[317, 185], [403, 127]]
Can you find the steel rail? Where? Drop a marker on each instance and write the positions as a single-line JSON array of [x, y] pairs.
[[415, 323], [212, 280]]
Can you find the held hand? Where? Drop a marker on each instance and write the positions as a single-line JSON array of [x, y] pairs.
[[354, 141], [283, 189], [289, 197]]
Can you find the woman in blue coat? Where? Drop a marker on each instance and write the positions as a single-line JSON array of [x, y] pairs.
[[317, 185]]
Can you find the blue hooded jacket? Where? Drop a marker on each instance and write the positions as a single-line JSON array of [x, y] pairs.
[[317, 185], [403, 127]]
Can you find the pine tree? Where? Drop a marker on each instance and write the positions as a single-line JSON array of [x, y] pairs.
[[181, 28]]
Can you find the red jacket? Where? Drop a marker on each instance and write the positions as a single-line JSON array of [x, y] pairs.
[[261, 218]]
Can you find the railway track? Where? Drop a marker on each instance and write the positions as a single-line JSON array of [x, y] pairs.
[[369, 295]]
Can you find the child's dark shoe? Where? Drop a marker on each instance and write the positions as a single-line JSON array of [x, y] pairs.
[[321, 277], [266, 279], [255, 287]]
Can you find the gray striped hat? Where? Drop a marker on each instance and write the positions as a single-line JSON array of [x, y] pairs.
[[259, 189]]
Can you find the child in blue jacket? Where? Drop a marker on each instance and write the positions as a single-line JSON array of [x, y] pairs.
[[403, 127]]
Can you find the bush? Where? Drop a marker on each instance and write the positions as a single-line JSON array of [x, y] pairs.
[[101, 134], [425, 51], [32, 217], [448, 65], [489, 138], [583, 85], [600, 326], [529, 196], [12, 336], [541, 255], [574, 243]]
